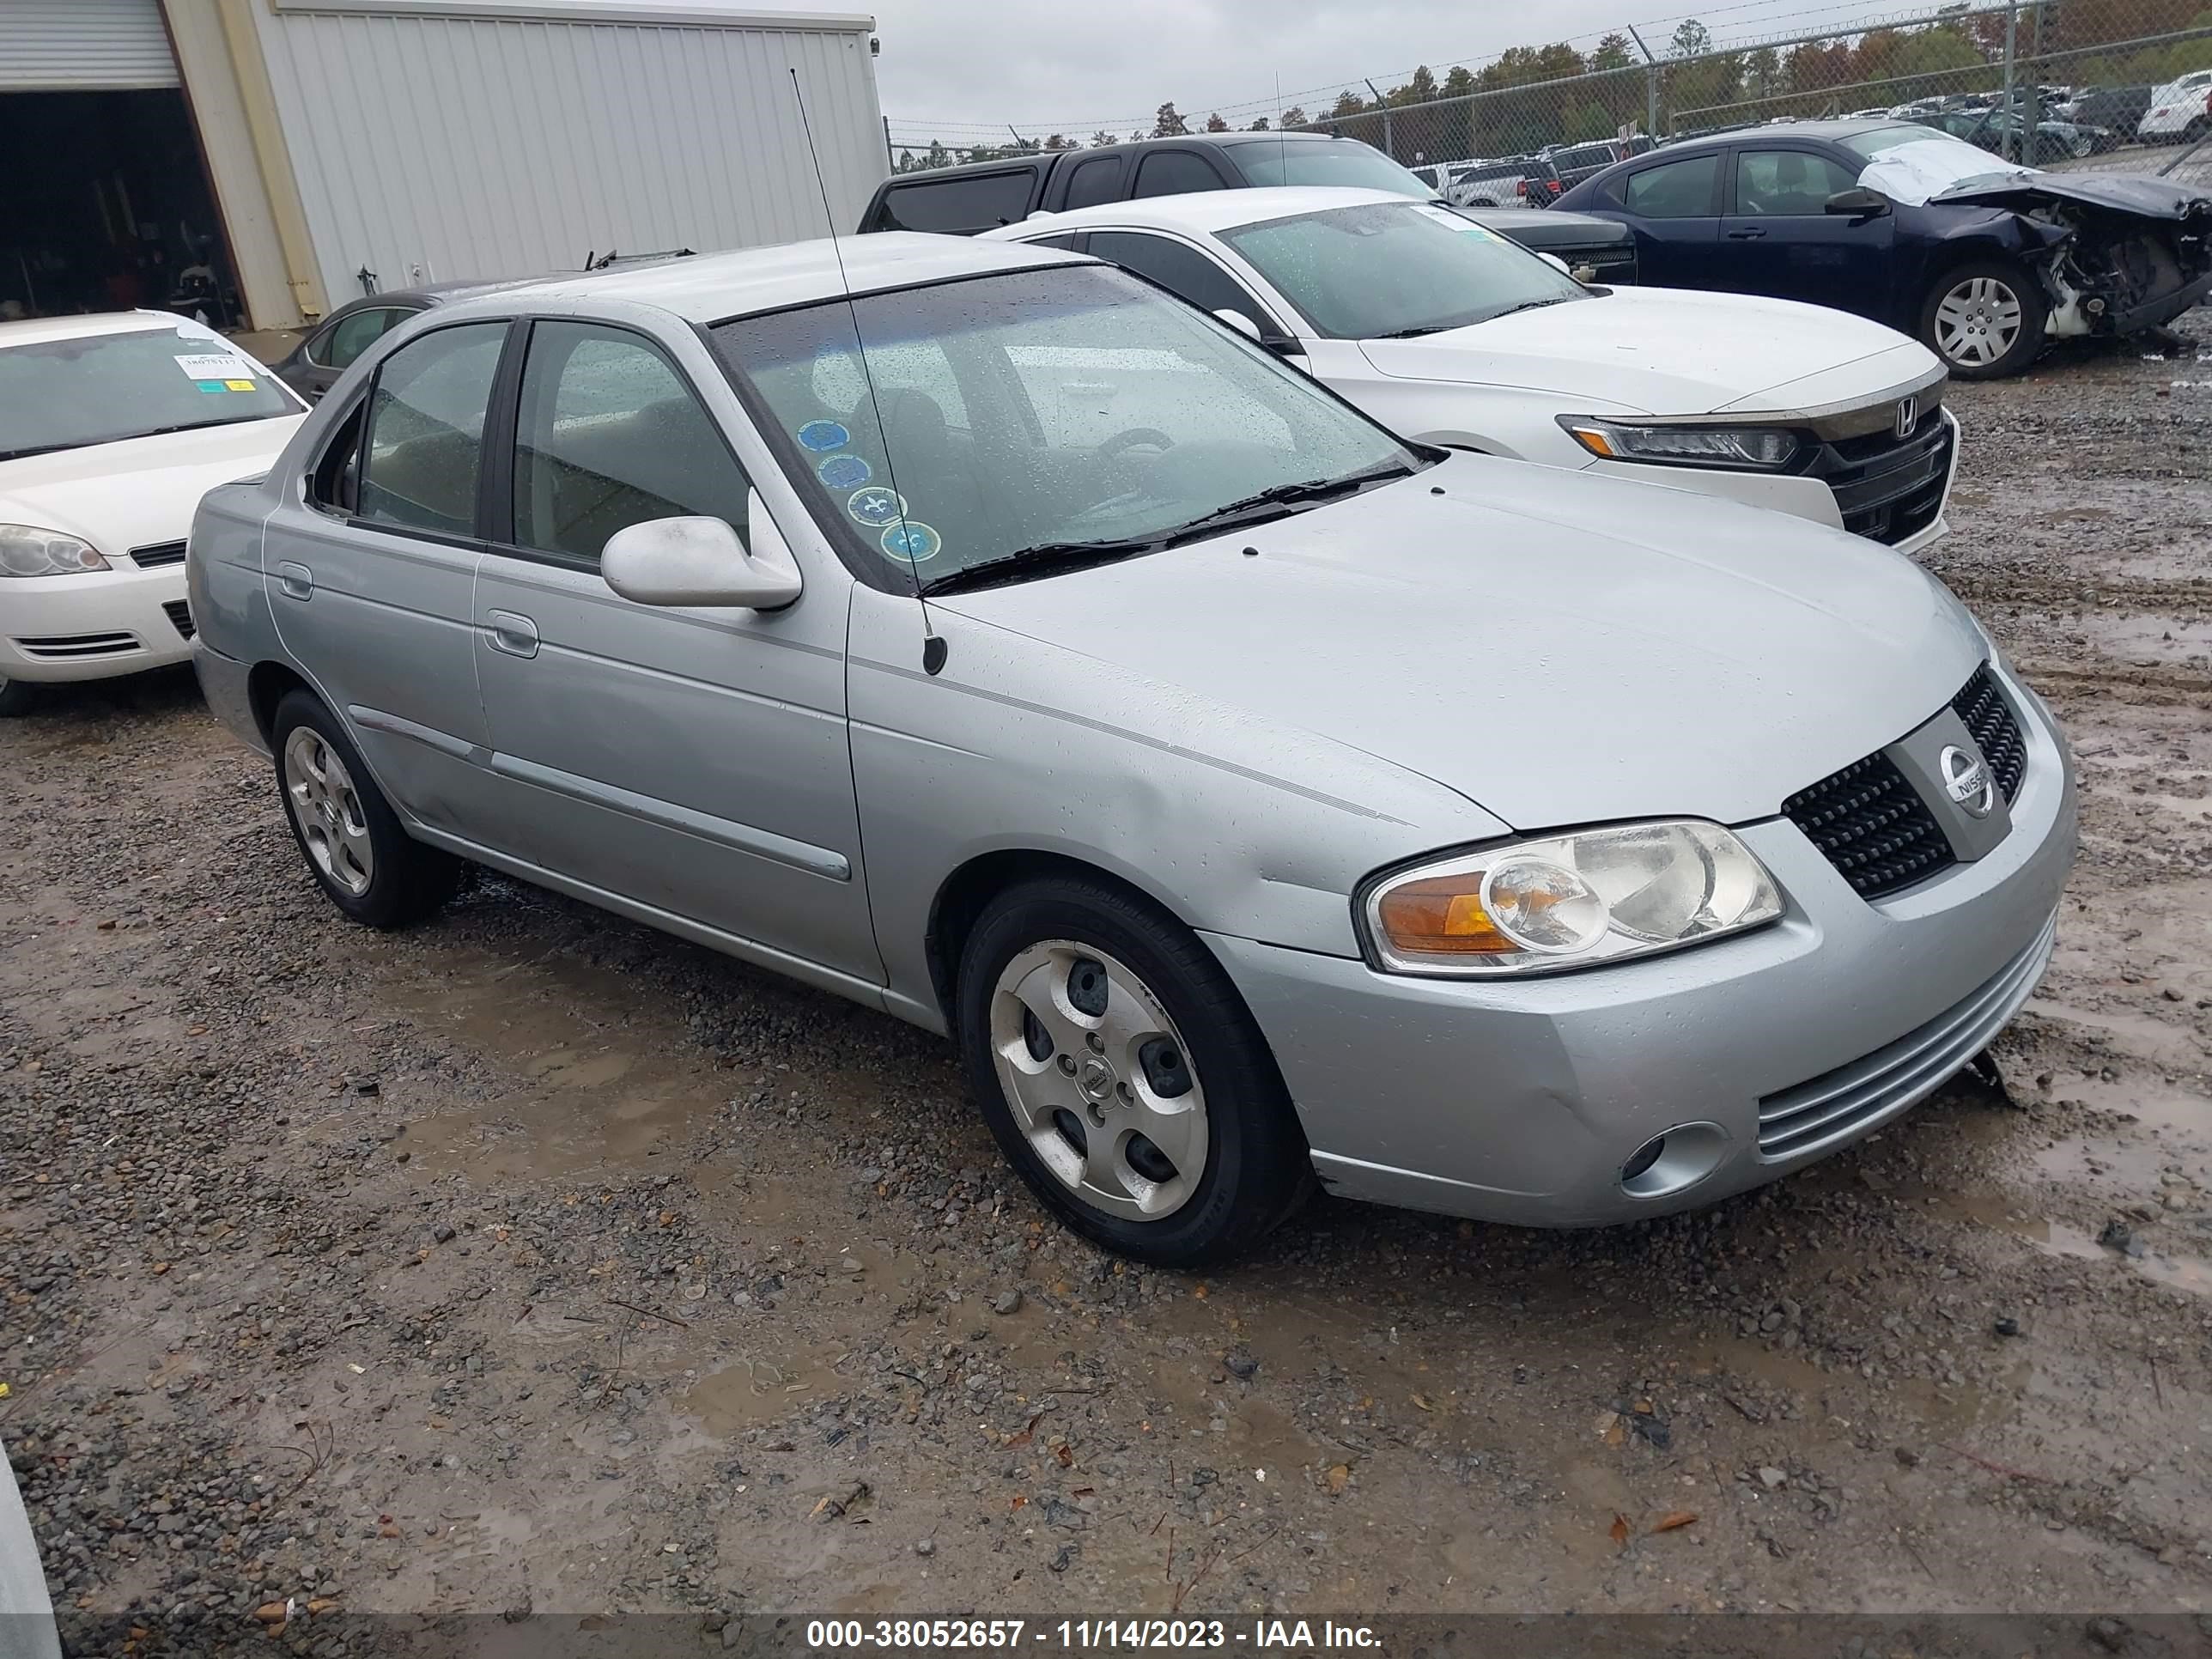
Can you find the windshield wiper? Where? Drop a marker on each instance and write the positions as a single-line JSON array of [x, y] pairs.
[[1277, 502], [1418, 330], [1532, 305], [36, 449], [127, 437]]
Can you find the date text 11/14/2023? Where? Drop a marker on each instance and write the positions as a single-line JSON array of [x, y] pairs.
[[1262, 1635]]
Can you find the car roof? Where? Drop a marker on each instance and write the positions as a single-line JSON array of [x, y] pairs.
[[710, 288], [1204, 211], [1830, 130], [32, 330]]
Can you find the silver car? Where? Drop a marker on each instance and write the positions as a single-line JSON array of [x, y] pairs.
[[1255, 797]]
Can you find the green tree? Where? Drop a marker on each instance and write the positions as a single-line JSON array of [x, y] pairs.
[[1101, 137], [1612, 53], [1690, 39], [1260, 125], [1166, 124], [1215, 123], [1294, 117]]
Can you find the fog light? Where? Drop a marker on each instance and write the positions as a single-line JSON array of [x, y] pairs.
[[1642, 1159]]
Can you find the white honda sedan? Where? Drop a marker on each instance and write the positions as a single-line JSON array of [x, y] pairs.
[[1449, 332], [112, 428]]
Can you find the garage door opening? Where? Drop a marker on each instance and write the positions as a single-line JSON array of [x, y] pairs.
[[105, 206]]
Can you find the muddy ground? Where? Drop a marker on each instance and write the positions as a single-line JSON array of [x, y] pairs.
[[530, 1259]]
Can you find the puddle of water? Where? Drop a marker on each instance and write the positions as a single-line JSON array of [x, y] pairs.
[[2183, 1273], [749, 1390], [534, 1136]]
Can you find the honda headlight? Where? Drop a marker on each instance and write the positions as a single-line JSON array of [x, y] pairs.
[[1759, 447], [28, 550], [1567, 901]]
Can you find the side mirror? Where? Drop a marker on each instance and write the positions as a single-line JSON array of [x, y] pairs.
[[1556, 264], [699, 561], [1859, 203], [1239, 321]]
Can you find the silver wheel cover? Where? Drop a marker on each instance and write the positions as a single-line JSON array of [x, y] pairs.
[[1089, 1107], [328, 811], [1978, 321]]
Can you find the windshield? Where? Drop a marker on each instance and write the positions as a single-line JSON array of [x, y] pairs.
[[1388, 269], [1343, 162], [1071, 405], [103, 388], [1911, 164]]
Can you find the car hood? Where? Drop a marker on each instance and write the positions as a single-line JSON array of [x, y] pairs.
[[1549, 228], [1557, 654], [2124, 192], [122, 496], [1670, 351]]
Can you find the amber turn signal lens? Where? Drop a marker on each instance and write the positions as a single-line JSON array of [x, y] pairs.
[[1594, 439], [1441, 916]]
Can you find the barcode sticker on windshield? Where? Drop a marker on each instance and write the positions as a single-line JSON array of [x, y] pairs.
[[1451, 221], [216, 365]]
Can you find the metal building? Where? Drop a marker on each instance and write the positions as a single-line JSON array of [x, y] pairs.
[[277, 157]]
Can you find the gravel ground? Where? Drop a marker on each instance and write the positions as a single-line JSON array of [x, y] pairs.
[[530, 1260]]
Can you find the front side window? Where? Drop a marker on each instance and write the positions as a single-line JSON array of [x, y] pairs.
[[1787, 182], [1390, 270], [1100, 418], [1183, 271], [1174, 173], [1676, 190], [426, 419], [347, 338], [1342, 162], [106, 388], [608, 434]]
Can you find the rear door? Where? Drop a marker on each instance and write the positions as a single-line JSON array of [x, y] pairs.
[[693, 758], [1782, 241], [371, 570], [1179, 172], [1674, 208]]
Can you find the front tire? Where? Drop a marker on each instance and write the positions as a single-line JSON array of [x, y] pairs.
[[1985, 319], [351, 839], [17, 698], [1123, 1077]]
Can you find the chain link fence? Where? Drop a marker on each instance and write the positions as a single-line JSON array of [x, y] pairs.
[[2049, 82]]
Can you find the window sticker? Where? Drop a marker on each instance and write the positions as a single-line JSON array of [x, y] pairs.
[[218, 367], [844, 472], [876, 506], [912, 544], [822, 436], [1451, 221]]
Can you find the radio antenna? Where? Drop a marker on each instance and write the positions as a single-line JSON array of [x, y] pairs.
[[934, 646]]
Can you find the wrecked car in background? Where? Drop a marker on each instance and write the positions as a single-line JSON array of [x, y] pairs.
[[1985, 261]]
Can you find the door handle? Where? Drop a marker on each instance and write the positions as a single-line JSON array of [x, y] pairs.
[[296, 580], [511, 632], [1751, 234]]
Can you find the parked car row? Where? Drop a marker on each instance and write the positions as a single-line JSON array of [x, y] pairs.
[[1024, 635]]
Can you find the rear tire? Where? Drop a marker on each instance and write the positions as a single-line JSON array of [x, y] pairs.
[[17, 698], [1985, 319], [351, 839], [1088, 1018]]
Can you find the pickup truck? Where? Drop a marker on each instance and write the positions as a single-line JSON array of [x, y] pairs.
[[963, 201]]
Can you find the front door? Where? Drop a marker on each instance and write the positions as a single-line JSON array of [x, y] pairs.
[[1784, 242], [372, 584], [692, 759], [1675, 208]]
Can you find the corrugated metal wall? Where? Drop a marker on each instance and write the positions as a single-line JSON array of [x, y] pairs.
[[429, 147], [82, 45]]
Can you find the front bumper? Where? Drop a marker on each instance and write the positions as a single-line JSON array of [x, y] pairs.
[[93, 626], [1521, 1101]]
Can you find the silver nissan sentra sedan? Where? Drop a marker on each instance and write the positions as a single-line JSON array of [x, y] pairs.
[[1255, 798]]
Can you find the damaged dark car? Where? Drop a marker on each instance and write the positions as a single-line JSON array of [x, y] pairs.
[[1985, 261]]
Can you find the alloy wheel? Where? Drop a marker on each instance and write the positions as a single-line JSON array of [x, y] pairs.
[[1099, 1081], [327, 809], [1978, 321]]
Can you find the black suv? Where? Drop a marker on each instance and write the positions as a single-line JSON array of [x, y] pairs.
[[983, 195]]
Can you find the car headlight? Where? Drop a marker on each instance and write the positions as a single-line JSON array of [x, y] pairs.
[[1762, 447], [1562, 901], [28, 550]]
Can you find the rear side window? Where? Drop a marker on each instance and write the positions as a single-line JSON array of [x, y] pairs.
[[350, 336], [1677, 190], [960, 205], [1184, 272], [1174, 173], [607, 436], [426, 419], [1096, 180]]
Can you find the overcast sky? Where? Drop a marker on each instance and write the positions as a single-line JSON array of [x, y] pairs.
[[1075, 65]]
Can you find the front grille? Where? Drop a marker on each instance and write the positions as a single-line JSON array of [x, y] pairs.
[[1889, 489], [70, 648], [1997, 733], [181, 617], [1868, 823], [1612, 264], [159, 554], [1853, 1098]]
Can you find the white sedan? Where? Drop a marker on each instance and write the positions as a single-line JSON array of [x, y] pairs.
[[1447, 332], [112, 428]]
